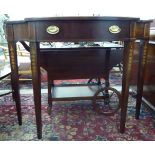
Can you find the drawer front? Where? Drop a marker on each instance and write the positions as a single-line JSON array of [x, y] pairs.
[[82, 30]]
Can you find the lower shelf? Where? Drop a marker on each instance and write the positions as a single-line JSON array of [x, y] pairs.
[[73, 92]]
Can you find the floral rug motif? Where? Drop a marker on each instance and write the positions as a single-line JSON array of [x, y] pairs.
[[75, 121]]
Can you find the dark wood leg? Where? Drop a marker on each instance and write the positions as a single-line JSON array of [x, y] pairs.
[[127, 62], [107, 65], [49, 93], [35, 66], [15, 79], [140, 79], [50, 85]]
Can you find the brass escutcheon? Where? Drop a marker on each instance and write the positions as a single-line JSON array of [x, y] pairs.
[[53, 29], [114, 29]]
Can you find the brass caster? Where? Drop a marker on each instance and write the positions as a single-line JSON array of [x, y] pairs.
[[106, 101]]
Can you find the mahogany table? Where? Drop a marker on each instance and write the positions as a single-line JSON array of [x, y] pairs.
[[74, 29]]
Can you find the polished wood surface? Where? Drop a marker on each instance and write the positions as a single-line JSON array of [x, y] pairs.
[[76, 29], [144, 63], [149, 80], [14, 77], [149, 73], [148, 93], [78, 63], [71, 28]]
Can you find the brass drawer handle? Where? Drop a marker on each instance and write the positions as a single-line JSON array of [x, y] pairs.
[[53, 29], [114, 29]]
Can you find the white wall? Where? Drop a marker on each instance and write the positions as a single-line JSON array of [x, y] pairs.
[[19, 9]]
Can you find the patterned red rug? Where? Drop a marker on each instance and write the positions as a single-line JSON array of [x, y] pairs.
[[73, 121]]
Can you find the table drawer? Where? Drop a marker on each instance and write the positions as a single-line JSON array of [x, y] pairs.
[[82, 30]]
